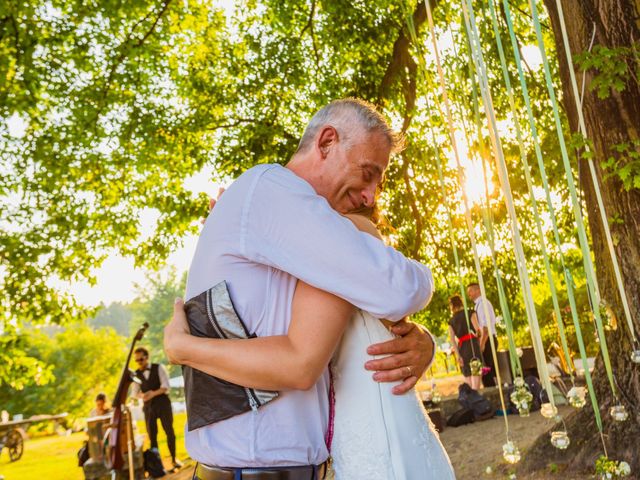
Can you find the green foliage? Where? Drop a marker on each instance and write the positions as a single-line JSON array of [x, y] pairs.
[[624, 163], [83, 363], [17, 368], [154, 305], [613, 67]]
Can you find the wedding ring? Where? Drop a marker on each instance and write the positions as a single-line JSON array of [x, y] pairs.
[[409, 372]]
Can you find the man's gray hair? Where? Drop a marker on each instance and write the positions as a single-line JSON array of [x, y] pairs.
[[350, 117]]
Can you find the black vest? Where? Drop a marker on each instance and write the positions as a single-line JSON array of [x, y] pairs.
[[152, 383]]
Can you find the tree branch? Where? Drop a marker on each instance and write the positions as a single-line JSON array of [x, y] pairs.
[[309, 26], [125, 52], [401, 57]]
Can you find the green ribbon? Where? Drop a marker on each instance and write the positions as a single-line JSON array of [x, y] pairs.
[[470, 25], [582, 234]]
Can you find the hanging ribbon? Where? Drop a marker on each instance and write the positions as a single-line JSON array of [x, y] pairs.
[[534, 204], [471, 27], [474, 246], [594, 177], [567, 274], [582, 234], [443, 189]]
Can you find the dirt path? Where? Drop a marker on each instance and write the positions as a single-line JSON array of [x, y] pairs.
[[472, 448]]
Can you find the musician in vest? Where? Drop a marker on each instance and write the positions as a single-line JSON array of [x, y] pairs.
[[153, 390]]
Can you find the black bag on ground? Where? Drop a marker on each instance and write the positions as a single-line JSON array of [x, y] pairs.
[[83, 454], [461, 417], [474, 401], [153, 464]]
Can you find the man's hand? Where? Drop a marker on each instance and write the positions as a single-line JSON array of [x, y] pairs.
[[409, 356], [176, 334], [213, 201], [146, 396]]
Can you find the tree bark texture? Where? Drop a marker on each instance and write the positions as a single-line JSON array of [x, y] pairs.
[[610, 121]]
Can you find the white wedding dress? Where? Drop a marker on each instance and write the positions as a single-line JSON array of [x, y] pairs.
[[379, 435]]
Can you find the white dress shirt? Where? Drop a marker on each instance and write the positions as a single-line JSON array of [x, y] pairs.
[[269, 229], [162, 373], [482, 319]]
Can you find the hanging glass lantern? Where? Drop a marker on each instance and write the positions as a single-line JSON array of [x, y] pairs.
[[548, 411], [619, 413], [560, 440], [577, 397], [510, 452], [476, 367], [435, 396]]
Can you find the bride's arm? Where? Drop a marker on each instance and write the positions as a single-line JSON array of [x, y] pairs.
[[292, 361]]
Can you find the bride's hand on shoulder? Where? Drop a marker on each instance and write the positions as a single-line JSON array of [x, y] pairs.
[[409, 356]]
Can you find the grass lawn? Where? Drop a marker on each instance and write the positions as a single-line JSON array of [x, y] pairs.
[[54, 458]]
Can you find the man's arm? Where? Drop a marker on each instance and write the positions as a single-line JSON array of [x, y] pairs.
[[285, 224], [164, 385], [292, 361]]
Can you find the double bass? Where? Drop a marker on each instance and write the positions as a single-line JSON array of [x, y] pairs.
[[121, 421]]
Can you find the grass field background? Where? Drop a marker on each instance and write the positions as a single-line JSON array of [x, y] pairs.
[[54, 457]]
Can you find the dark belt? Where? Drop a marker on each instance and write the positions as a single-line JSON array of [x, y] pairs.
[[306, 472]]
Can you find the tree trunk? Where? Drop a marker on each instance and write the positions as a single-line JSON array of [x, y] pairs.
[[610, 121]]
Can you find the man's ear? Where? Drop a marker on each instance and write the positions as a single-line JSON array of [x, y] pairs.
[[326, 139]]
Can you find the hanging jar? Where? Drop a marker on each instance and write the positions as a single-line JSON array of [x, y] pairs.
[[435, 396], [577, 397], [476, 367], [619, 413], [548, 410], [510, 452], [560, 440]]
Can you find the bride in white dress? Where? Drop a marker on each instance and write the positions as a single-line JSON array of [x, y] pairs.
[[376, 433]]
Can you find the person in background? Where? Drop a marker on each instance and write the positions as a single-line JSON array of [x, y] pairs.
[[487, 322], [153, 390], [101, 406], [465, 342]]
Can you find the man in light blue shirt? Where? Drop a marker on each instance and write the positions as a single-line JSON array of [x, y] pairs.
[[276, 225], [487, 322]]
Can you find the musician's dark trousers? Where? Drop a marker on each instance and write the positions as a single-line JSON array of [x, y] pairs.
[[160, 409], [489, 380]]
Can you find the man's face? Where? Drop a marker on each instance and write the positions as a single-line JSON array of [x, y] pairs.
[[351, 176], [473, 292], [100, 404], [141, 359]]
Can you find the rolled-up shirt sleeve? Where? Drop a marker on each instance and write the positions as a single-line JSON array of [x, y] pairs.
[[286, 225]]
